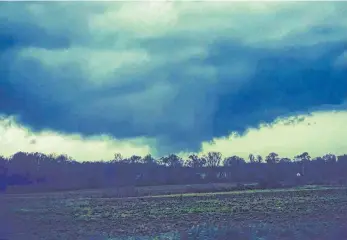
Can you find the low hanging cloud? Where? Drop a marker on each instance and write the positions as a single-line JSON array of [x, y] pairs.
[[15, 138], [181, 73], [318, 133]]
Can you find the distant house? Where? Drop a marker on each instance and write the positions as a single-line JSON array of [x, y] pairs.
[[202, 175], [222, 175], [139, 177]]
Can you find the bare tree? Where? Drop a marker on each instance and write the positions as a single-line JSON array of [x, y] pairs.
[[148, 159], [272, 158], [134, 159], [251, 158], [195, 161], [285, 160], [303, 159], [259, 159], [118, 157], [213, 159], [233, 161], [330, 158], [172, 161]]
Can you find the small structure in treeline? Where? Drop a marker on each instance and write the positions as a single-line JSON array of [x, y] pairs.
[[222, 175], [202, 175]]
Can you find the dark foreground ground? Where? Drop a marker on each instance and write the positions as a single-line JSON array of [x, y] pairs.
[[269, 214]]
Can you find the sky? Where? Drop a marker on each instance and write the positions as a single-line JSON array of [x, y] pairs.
[[90, 79]]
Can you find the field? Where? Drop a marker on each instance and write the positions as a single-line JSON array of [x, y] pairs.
[[318, 213]]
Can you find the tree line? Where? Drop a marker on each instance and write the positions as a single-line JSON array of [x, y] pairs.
[[44, 172]]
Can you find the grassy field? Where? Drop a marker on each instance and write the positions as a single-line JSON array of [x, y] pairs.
[[317, 213], [131, 191]]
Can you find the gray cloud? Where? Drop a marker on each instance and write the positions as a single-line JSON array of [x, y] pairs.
[[176, 74]]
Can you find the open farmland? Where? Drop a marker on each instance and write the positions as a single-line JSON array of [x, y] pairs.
[[270, 214]]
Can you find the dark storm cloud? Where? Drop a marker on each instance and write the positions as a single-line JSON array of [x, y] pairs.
[[286, 81], [180, 97], [18, 35]]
